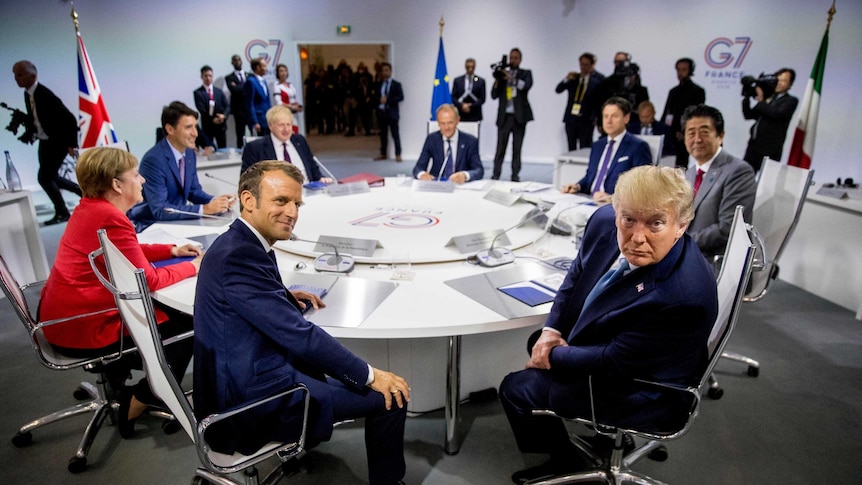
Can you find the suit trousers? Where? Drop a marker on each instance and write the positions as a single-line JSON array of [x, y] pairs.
[[239, 119], [388, 124], [51, 156], [579, 133], [217, 133], [517, 130]]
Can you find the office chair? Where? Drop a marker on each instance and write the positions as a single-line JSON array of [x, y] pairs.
[[129, 287], [655, 142], [615, 469]]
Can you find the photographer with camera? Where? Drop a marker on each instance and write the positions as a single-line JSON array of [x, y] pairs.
[[57, 130], [773, 112], [625, 82], [511, 85]]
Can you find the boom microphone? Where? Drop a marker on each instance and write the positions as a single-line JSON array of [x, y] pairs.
[[207, 174], [493, 257], [330, 262], [171, 210], [321, 165]]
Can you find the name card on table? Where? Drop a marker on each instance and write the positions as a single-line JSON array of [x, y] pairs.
[[470, 243], [354, 246], [433, 186], [835, 193], [502, 198], [338, 190]]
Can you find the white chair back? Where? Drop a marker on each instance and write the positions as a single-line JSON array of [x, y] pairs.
[[655, 143], [781, 192]]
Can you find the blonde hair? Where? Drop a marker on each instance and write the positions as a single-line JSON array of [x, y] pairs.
[[98, 167], [650, 188], [278, 111]]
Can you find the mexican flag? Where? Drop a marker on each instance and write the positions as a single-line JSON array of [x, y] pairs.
[[802, 147]]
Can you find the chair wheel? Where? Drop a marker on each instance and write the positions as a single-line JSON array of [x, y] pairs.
[[81, 394], [21, 440], [715, 393], [753, 371], [77, 464], [658, 454], [171, 427]]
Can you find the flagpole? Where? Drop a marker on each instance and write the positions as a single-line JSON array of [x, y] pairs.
[[75, 18], [831, 14], [442, 23]]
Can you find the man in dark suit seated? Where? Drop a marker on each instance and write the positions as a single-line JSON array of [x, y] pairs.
[[721, 181], [650, 318], [251, 340], [170, 169], [449, 154], [646, 124], [612, 154], [283, 144]]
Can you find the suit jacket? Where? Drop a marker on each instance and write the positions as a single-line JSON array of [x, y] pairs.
[[257, 101], [395, 96], [658, 128], [73, 289], [523, 111], [680, 97], [632, 152], [652, 323], [730, 182], [164, 189], [234, 87], [773, 118], [433, 155], [588, 105], [476, 97], [57, 121], [252, 341], [202, 103], [262, 149]]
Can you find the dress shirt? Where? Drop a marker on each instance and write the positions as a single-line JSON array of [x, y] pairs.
[[705, 167], [263, 84], [177, 155], [617, 140], [295, 159], [240, 75], [40, 133]]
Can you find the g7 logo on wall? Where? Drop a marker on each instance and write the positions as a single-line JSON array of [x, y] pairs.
[[270, 51], [725, 57]]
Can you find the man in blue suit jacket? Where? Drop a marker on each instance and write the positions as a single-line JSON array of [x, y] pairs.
[[251, 340], [168, 187], [282, 140], [648, 319], [213, 107], [464, 164], [612, 154], [257, 98]]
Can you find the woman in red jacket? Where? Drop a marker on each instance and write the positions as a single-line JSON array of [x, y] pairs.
[[111, 185]]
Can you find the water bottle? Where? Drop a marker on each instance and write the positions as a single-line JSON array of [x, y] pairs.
[[12, 178]]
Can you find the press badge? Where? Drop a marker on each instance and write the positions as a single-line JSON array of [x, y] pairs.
[[511, 92], [576, 109]]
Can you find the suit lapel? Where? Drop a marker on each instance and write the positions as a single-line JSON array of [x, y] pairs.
[[709, 179]]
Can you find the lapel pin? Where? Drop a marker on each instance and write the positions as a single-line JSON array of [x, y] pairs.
[[640, 287]]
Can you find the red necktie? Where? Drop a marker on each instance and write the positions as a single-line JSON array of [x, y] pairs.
[[286, 155], [210, 90], [697, 180]]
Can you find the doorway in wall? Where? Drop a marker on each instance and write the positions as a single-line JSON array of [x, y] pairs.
[[336, 82]]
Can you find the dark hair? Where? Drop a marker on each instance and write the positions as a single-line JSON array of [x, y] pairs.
[[704, 111], [384, 64], [205, 69], [688, 61], [590, 56], [515, 49], [622, 103], [172, 113], [256, 62], [787, 70], [250, 179]]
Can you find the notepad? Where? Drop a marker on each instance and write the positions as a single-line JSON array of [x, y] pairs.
[[528, 293], [171, 261], [314, 290]]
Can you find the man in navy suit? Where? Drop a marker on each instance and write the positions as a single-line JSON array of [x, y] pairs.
[[251, 340], [57, 130], [449, 154], [646, 124], [721, 181], [468, 93], [650, 318], [388, 94], [235, 82], [213, 108], [283, 144], [580, 113], [257, 99], [612, 154], [511, 87], [170, 170]]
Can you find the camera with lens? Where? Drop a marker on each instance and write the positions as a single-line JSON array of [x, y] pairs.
[[19, 118], [500, 67], [766, 82]]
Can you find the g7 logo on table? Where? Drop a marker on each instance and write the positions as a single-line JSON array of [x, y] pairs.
[[725, 57], [399, 219]]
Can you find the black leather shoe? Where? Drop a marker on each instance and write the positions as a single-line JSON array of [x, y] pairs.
[[550, 468], [124, 424], [57, 220]]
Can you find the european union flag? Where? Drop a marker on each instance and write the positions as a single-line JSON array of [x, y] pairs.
[[441, 94]]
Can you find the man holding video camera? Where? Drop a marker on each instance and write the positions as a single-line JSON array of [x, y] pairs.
[[511, 85], [773, 112]]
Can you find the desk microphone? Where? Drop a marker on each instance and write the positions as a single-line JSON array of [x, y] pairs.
[[330, 262], [493, 257], [321, 165], [171, 210], [207, 174]]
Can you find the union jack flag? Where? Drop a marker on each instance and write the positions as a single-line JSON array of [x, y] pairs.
[[93, 120]]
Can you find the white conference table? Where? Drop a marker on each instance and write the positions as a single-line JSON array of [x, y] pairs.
[[413, 228]]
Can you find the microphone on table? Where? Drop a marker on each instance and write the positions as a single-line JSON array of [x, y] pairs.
[[321, 165], [207, 174], [492, 256], [171, 210], [330, 262]]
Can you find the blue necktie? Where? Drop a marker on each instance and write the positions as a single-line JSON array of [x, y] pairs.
[[609, 278], [600, 179], [446, 171]]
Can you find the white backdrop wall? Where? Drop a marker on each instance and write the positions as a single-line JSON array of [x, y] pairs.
[[146, 54]]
